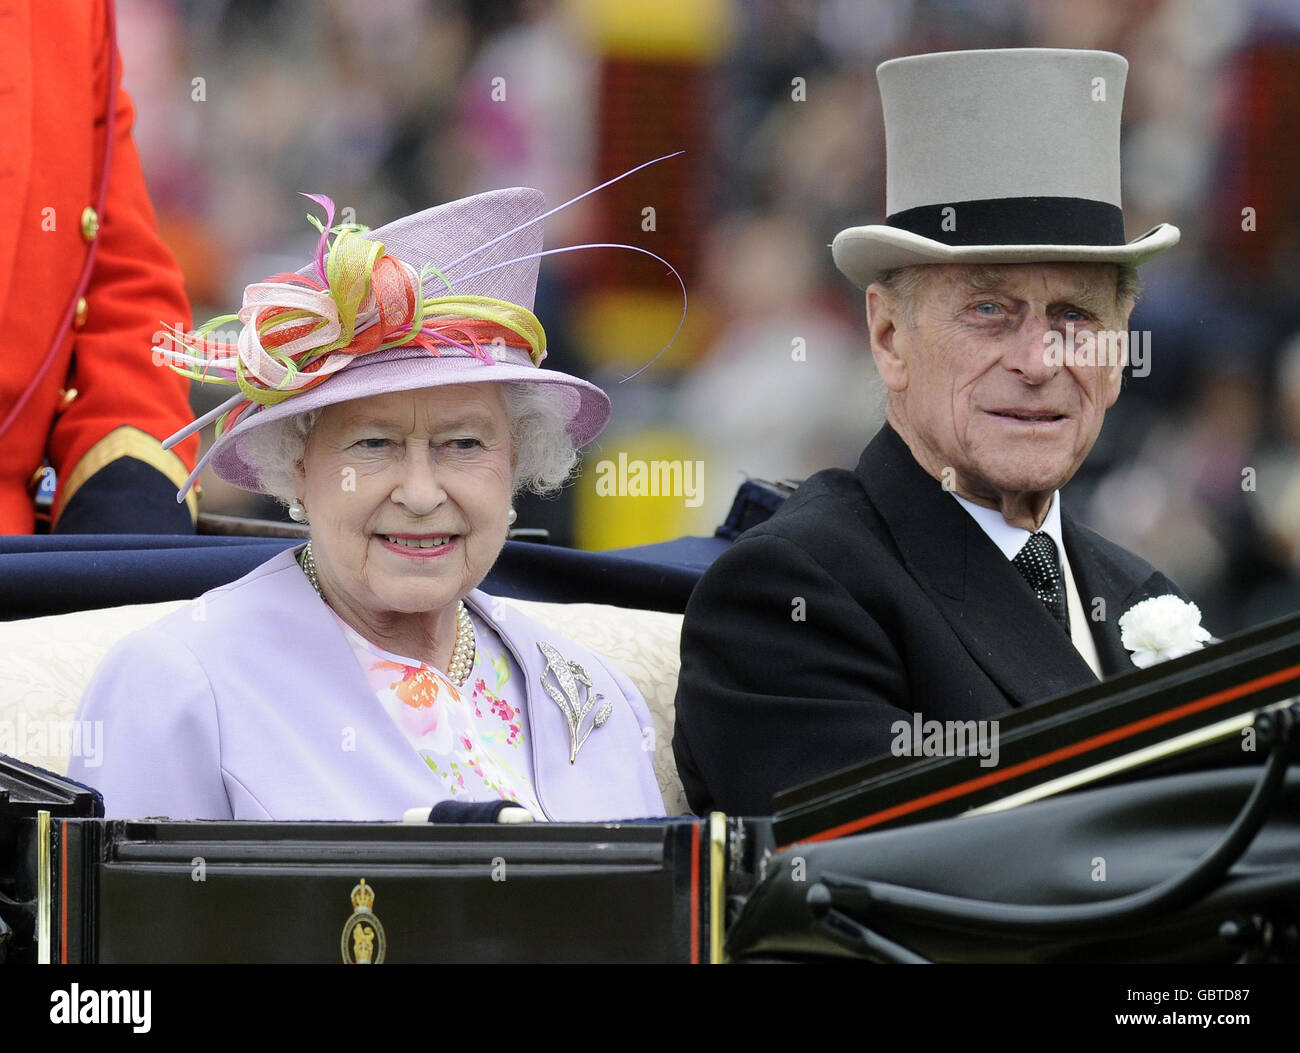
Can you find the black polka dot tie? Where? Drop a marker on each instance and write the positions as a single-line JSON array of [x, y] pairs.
[[1038, 564]]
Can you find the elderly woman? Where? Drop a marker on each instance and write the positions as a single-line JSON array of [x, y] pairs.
[[391, 395]]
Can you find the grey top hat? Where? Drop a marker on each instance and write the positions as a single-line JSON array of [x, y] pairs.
[[1001, 156]]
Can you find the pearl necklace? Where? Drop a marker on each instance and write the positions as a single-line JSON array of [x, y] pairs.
[[462, 655]]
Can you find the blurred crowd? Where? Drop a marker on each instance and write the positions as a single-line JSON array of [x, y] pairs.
[[390, 106]]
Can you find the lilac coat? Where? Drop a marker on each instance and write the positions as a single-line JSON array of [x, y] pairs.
[[250, 704]]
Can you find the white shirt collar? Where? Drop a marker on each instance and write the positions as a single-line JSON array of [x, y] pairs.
[[1011, 539]]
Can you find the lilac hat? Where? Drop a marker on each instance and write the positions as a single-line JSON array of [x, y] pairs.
[[440, 297]]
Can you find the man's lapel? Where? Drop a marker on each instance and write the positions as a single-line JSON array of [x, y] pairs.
[[1005, 628], [1099, 577]]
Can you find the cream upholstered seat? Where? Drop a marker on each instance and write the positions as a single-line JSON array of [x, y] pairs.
[[45, 664]]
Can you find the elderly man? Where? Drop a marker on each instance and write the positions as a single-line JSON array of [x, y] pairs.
[[942, 577]]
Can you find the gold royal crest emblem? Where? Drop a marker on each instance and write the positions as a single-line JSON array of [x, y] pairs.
[[363, 941]]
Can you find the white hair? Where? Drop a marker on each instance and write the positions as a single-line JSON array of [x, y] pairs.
[[545, 454]]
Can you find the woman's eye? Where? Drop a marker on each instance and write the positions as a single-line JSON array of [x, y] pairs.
[[465, 444], [992, 308], [1073, 314], [372, 444]]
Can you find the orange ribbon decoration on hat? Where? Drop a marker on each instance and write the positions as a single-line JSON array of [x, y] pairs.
[[297, 331]]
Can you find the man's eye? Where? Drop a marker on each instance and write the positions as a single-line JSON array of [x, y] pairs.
[[988, 307], [1073, 314]]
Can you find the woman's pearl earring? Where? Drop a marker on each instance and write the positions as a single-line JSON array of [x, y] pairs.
[[511, 517], [298, 511]]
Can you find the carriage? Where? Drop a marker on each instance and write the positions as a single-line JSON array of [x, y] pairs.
[[1154, 817]]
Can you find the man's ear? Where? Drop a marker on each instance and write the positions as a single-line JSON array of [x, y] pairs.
[[884, 320]]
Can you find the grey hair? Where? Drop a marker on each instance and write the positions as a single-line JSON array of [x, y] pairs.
[[1128, 285], [545, 454], [904, 283]]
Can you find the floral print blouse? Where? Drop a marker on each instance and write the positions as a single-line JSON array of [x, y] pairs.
[[472, 738]]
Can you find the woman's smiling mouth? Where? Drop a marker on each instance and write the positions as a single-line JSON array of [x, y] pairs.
[[418, 545]]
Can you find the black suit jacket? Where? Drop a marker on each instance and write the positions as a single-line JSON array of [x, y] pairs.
[[871, 595]]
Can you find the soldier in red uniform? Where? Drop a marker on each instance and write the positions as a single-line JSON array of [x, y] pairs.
[[85, 284]]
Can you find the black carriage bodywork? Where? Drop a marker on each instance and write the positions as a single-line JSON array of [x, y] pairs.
[[1012, 886], [78, 888], [1182, 850], [172, 892]]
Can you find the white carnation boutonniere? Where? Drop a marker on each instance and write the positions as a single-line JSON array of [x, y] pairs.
[[1161, 628]]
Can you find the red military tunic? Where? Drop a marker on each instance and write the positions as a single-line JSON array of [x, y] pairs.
[[103, 398]]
